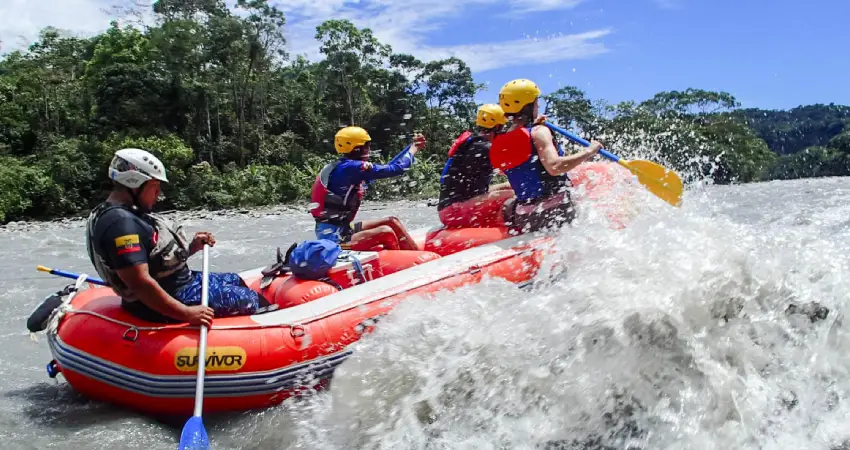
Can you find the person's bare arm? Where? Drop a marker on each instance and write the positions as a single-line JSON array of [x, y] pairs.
[[548, 154], [149, 292]]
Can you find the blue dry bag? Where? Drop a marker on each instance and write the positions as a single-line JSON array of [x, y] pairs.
[[312, 260]]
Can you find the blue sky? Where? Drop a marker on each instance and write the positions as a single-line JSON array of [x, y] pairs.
[[777, 54], [769, 54]]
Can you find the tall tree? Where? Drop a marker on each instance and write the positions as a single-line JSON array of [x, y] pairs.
[[351, 57]]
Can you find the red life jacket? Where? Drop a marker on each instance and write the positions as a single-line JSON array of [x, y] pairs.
[[332, 208], [515, 155], [459, 141]]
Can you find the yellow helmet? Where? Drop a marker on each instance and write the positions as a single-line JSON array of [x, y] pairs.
[[349, 138], [516, 94], [490, 116]]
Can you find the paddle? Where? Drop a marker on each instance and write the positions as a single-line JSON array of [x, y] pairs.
[[194, 436], [72, 275], [664, 183]]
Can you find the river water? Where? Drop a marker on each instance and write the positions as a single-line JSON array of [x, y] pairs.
[[672, 333]]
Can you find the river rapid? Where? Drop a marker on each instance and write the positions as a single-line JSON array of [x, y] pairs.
[[672, 333]]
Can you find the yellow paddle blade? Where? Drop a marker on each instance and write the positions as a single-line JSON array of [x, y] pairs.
[[42, 269], [664, 183]]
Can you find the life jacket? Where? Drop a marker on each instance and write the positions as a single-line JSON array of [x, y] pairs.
[[169, 255], [467, 173], [515, 155], [462, 141], [332, 208]]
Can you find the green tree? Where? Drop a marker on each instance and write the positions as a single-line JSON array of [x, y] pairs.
[[352, 55], [791, 131], [209, 88], [570, 107]]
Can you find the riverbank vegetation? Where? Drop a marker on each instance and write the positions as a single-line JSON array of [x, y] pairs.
[[240, 123]]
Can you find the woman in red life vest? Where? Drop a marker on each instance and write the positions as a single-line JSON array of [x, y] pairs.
[[466, 197], [536, 166], [339, 188]]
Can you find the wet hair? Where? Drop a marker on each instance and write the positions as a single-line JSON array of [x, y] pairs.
[[497, 129], [526, 113]]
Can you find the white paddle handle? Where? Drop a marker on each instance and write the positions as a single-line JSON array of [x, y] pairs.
[[202, 344]]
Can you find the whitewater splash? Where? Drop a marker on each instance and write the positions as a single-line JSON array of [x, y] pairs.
[[672, 333]]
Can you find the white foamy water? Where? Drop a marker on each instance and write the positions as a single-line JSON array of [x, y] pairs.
[[671, 333]]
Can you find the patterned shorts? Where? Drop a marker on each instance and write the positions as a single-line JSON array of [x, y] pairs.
[[228, 295]]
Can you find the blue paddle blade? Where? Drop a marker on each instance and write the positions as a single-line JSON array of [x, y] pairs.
[[194, 435]]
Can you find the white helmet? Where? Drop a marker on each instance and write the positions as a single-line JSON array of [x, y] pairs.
[[131, 167]]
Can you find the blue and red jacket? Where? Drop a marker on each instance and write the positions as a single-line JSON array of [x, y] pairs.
[[339, 186]]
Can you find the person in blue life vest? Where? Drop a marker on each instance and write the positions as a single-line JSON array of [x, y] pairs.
[[534, 163], [339, 188], [466, 197], [143, 256]]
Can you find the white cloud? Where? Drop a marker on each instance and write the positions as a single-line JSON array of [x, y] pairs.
[[404, 24], [482, 57], [543, 5], [22, 20]]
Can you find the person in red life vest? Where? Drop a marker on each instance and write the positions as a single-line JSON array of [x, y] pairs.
[[466, 197], [534, 163], [339, 188]]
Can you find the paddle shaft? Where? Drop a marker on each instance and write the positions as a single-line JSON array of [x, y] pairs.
[[581, 141], [194, 435], [663, 183], [202, 345], [72, 275]]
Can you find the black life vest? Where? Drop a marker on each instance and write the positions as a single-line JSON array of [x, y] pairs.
[[467, 172]]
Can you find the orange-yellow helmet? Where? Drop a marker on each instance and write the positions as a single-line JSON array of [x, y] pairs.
[[516, 94], [490, 116], [349, 138]]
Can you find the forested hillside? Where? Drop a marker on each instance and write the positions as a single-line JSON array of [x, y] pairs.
[[238, 122], [788, 132], [812, 140]]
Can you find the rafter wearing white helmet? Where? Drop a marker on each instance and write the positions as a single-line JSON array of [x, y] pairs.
[[132, 167]]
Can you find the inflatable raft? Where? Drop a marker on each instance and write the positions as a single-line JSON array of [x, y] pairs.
[[260, 360]]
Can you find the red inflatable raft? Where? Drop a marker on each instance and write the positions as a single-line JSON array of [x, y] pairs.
[[258, 361]]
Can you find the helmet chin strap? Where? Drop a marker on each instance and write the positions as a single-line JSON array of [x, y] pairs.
[[135, 198]]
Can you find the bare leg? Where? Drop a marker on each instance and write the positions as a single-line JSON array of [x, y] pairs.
[[374, 236], [405, 241]]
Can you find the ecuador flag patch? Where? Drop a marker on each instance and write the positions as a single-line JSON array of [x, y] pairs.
[[127, 244]]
